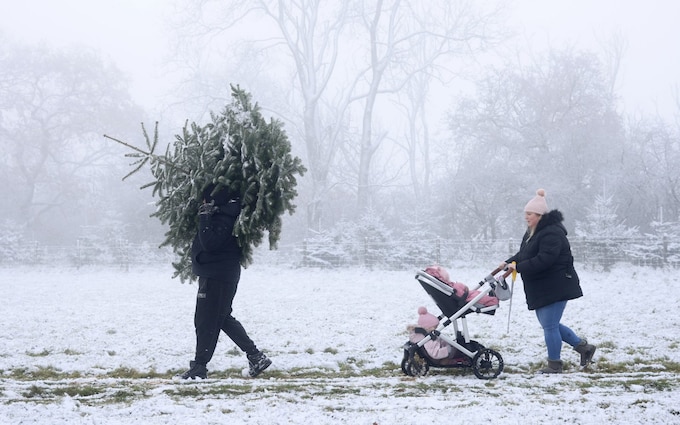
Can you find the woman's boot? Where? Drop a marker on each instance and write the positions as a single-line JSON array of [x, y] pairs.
[[587, 351], [554, 366]]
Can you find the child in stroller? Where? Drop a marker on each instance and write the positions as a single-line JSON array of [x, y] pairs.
[[456, 301], [440, 352], [464, 292]]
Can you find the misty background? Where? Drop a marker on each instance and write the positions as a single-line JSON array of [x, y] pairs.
[[418, 121]]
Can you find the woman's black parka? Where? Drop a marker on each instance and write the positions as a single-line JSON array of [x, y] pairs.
[[546, 265]]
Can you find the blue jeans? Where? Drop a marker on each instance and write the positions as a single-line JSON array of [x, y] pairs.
[[553, 331]]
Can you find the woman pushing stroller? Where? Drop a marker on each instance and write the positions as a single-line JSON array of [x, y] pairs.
[[546, 265]]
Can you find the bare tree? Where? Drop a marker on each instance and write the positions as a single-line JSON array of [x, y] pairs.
[[407, 39], [348, 59], [549, 124], [613, 53], [308, 33], [651, 184], [416, 139], [443, 60], [312, 34], [54, 105]]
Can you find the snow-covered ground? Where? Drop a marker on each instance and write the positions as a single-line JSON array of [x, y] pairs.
[[72, 342]]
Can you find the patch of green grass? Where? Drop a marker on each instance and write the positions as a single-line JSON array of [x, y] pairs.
[[42, 373], [70, 352], [44, 353], [199, 391], [331, 350], [189, 391], [377, 372], [606, 345], [72, 390], [641, 403], [637, 364], [124, 396], [130, 373], [490, 384], [605, 366], [342, 390], [304, 373], [355, 362], [551, 390], [34, 391], [235, 351], [76, 390], [649, 384], [670, 366], [391, 365]]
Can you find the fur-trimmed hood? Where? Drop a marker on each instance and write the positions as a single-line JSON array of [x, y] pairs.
[[553, 217]]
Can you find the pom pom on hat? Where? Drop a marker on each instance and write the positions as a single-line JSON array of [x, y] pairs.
[[427, 320], [537, 204]]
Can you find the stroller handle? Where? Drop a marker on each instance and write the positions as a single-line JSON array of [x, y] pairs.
[[491, 278], [500, 269]]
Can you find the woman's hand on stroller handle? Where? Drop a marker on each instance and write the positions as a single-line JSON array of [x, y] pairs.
[[508, 268]]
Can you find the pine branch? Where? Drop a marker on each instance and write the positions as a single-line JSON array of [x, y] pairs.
[[128, 145], [146, 156]]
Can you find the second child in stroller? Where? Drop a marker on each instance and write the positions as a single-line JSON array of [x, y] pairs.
[[440, 352], [443, 275]]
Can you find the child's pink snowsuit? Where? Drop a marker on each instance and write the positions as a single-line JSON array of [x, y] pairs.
[[437, 349], [460, 288]]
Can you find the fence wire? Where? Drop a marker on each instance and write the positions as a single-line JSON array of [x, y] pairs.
[[389, 255]]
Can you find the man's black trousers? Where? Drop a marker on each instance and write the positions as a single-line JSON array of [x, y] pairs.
[[213, 313]]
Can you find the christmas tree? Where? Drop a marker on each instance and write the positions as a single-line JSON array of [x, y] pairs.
[[239, 150]]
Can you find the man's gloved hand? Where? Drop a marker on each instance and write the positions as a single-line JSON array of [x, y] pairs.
[[207, 208]]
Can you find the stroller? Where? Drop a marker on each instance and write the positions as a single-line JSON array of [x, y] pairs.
[[456, 301]]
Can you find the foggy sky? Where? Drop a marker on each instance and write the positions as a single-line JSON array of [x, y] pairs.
[[133, 33]]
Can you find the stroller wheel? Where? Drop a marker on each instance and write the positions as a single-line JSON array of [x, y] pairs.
[[414, 364], [487, 364], [404, 362]]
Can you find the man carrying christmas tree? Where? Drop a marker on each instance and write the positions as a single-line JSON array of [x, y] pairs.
[[216, 260], [248, 160]]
